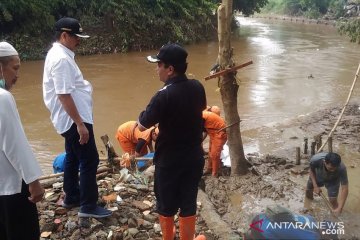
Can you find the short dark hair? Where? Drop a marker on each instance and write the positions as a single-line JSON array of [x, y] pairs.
[[178, 68], [333, 158], [57, 35]]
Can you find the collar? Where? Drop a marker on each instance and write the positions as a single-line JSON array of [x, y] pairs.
[[179, 78], [68, 51]]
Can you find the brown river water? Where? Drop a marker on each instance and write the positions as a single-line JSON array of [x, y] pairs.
[[298, 69]]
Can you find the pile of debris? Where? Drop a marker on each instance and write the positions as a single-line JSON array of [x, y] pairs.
[[128, 194]]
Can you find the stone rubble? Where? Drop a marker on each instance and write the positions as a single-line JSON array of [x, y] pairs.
[[128, 194]]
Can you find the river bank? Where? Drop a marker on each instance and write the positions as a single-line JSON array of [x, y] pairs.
[[226, 205], [296, 19], [281, 181]]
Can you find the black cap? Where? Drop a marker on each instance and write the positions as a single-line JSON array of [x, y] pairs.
[[170, 53], [70, 25], [333, 158]]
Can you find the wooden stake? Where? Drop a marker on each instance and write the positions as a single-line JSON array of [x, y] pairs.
[[305, 145], [313, 145], [330, 144], [318, 141], [297, 156]]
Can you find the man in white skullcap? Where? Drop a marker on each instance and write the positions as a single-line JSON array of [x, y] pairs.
[[20, 188]]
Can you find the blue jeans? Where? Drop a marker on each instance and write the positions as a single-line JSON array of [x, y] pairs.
[[83, 158]]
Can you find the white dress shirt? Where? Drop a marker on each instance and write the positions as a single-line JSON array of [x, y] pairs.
[[17, 160], [63, 76]]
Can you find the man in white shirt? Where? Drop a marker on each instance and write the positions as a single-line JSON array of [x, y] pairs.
[[20, 188], [69, 99]]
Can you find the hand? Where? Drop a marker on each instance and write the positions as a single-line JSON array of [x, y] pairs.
[[125, 160], [317, 190], [36, 191], [337, 211], [83, 133]]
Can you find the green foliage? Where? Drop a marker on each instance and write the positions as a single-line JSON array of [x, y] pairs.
[[115, 25], [351, 28], [249, 7], [307, 8], [30, 16], [292, 7], [336, 8]]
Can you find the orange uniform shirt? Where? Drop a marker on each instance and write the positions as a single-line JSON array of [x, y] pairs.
[[128, 135], [213, 122]]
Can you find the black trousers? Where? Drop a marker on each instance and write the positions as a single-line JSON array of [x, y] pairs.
[[18, 217], [86, 158], [176, 189]]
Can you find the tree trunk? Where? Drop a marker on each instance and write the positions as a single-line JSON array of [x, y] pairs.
[[229, 89]]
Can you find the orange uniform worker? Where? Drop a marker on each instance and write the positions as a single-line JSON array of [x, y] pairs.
[[133, 141], [214, 109], [212, 124]]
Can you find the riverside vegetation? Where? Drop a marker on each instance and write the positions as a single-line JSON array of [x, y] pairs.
[[136, 25], [115, 25]]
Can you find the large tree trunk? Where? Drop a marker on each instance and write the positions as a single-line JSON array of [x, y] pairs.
[[229, 89]]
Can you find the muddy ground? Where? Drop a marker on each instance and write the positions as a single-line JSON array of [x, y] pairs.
[[280, 181], [226, 205]]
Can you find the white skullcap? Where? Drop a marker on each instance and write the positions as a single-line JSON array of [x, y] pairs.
[[6, 49]]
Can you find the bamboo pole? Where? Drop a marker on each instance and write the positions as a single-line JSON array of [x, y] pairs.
[[328, 204], [335, 126], [343, 110]]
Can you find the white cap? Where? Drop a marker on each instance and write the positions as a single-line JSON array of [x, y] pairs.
[[6, 49]]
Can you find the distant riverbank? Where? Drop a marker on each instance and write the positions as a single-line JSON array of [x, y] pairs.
[[300, 20]]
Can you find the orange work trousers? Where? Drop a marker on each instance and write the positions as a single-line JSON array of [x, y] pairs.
[[217, 141]]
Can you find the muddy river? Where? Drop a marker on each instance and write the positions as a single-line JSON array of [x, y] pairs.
[[298, 69]]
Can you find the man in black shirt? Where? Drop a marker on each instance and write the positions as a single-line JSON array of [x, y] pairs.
[[179, 161]]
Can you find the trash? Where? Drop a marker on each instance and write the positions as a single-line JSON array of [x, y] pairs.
[[45, 234], [225, 156], [110, 198]]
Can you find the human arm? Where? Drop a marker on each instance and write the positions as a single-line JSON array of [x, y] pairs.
[[343, 196], [151, 147], [36, 191], [17, 154], [69, 105], [312, 174], [153, 112], [141, 144]]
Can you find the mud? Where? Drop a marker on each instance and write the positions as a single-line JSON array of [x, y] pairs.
[[238, 199]]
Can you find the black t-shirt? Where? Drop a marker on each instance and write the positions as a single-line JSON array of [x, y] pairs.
[[177, 108]]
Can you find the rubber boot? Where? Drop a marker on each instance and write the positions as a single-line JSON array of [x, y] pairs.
[[167, 227], [187, 228]]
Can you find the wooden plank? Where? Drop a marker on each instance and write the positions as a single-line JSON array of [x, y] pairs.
[[233, 69], [117, 159]]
